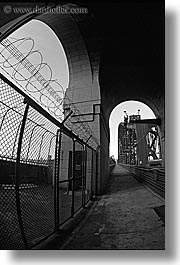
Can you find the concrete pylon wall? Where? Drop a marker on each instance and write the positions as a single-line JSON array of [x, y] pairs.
[[83, 89]]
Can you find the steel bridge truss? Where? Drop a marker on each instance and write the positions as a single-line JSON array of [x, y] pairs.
[[132, 147]]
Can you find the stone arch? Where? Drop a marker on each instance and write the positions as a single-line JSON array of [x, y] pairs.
[[156, 104], [83, 89], [124, 72], [80, 84], [120, 87], [83, 71], [153, 104]]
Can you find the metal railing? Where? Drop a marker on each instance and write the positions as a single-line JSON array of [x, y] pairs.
[[153, 177], [47, 173]]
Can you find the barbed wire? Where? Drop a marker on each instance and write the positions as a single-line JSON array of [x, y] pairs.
[[25, 65]]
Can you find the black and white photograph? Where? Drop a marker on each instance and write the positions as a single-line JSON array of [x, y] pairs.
[[82, 126]]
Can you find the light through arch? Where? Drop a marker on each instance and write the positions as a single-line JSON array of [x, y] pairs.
[[33, 58], [49, 45], [117, 116]]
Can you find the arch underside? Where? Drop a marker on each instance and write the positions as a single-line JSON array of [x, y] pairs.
[[113, 57]]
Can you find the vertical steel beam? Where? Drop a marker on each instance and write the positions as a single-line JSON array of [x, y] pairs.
[[17, 176]]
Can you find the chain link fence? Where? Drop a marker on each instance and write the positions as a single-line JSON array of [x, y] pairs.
[[47, 172]]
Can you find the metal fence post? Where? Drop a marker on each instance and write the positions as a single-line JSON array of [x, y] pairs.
[[56, 178], [85, 164], [92, 174], [35, 161], [96, 181], [17, 173], [73, 177], [83, 176]]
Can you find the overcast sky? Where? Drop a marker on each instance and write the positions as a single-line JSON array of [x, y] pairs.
[[48, 44]]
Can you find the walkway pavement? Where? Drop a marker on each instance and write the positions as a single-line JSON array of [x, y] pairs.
[[123, 218]]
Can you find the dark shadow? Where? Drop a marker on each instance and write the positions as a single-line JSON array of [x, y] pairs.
[[160, 211]]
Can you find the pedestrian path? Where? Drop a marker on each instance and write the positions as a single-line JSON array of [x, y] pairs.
[[123, 218]]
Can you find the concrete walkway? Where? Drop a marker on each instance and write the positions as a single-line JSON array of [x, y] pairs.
[[123, 218]]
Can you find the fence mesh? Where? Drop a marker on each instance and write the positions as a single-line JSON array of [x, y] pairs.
[[88, 175], [35, 170], [27, 179], [36, 177], [65, 178], [78, 175], [11, 107]]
